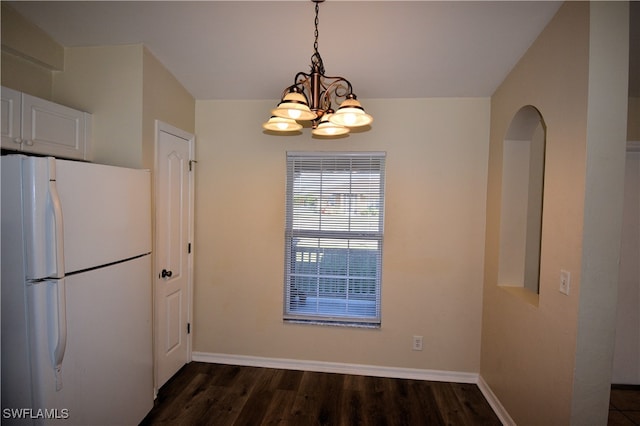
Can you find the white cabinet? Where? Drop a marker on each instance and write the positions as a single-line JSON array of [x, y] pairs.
[[11, 113], [38, 126]]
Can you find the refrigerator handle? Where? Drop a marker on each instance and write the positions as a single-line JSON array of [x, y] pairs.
[[58, 323], [42, 206], [58, 231]]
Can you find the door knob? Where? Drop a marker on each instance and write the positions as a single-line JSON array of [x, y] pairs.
[[166, 274]]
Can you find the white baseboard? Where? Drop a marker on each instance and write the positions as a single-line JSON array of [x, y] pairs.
[[495, 403], [335, 367]]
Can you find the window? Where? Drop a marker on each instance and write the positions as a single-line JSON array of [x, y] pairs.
[[334, 229]]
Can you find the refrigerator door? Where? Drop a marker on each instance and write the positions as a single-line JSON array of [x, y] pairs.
[[103, 213], [107, 371], [106, 213], [15, 371]]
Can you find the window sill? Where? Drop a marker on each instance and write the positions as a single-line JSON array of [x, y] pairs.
[[346, 324], [523, 294]]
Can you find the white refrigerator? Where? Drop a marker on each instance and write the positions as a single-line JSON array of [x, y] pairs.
[[76, 293]]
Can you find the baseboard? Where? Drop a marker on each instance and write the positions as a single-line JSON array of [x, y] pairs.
[[335, 367], [495, 403]]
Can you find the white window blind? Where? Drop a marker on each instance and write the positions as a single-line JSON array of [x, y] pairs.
[[334, 230]]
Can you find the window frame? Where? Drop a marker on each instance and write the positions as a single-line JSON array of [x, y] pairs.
[[349, 240]]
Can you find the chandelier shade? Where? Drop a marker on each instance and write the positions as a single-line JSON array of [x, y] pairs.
[[311, 98], [294, 105], [351, 114], [280, 124], [327, 128]]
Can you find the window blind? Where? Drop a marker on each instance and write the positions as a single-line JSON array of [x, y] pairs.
[[333, 237]]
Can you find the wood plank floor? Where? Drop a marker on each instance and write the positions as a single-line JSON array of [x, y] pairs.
[[624, 405], [216, 394]]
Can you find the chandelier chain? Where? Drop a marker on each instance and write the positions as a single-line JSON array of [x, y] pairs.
[[316, 33], [316, 58]]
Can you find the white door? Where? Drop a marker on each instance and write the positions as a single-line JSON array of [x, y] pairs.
[[173, 249], [626, 355]]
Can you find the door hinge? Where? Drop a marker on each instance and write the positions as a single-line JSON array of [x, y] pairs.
[[189, 248], [188, 328], [191, 164]]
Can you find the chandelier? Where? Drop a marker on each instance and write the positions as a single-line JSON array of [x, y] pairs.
[[311, 98]]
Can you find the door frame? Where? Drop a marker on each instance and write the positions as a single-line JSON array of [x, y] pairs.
[[161, 126]]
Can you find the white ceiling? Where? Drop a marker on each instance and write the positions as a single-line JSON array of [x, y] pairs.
[[253, 49]]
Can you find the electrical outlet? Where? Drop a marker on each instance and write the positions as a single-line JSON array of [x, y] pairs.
[[417, 343], [565, 281]]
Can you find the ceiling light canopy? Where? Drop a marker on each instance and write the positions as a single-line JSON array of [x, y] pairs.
[[311, 98]]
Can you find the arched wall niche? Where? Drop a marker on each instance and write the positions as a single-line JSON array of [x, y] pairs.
[[523, 162]]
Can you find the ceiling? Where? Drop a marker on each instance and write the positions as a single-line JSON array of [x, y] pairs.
[[253, 49]]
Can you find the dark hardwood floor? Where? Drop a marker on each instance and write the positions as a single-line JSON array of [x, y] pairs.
[[624, 405], [215, 394]]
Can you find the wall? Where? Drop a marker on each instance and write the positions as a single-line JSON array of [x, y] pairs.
[[537, 359], [127, 89], [603, 206], [29, 55], [164, 99], [528, 351], [433, 244], [124, 87], [107, 82]]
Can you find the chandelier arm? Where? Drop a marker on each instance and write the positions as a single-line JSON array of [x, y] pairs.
[[340, 80], [339, 88], [303, 83], [301, 77]]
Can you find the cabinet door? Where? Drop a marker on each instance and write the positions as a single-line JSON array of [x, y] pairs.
[[52, 129], [10, 110]]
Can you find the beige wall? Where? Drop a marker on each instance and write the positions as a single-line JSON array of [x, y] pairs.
[[126, 89], [107, 82], [25, 76], [529, 352], [603, 206], [29, 55], [433, 245], [164, 99]]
